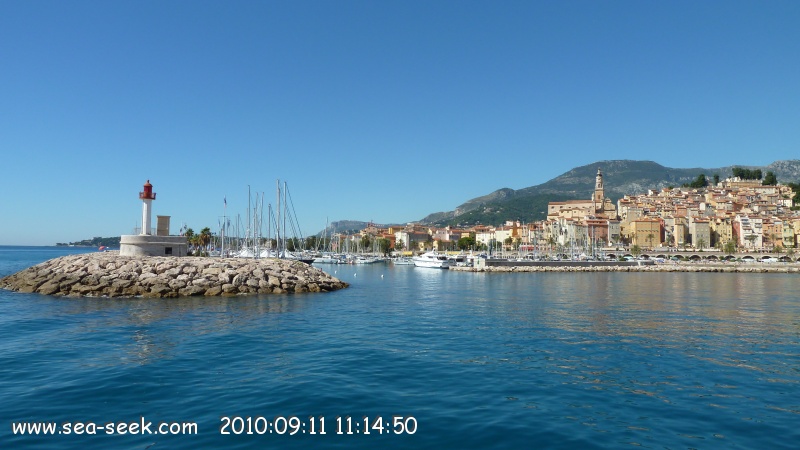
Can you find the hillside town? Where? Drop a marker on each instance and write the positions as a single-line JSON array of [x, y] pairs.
[[733, 215]]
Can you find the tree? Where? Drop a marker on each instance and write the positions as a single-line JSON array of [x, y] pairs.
[[770, 179], [636, 251], [466, 242], [365, 242], [311, 243], [398, 245], [385, 245], [796, 192], [716, 179], [699, 182], [191, 238], [747, 174], [650, 239], [205, 236], [701, 243], [729, 247], [199, 241]]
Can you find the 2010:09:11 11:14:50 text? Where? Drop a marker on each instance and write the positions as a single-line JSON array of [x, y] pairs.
[[292, 425]]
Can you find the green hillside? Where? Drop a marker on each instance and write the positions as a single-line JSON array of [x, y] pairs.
[[621, 177]]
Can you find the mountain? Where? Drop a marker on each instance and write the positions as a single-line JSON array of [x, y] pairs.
[[343, 226], [620, 177]]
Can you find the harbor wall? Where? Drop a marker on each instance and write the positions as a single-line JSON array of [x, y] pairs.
[[651, 267], [480, 262]]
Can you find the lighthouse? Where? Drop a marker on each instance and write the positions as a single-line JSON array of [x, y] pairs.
[[147, 195], [147, 242]]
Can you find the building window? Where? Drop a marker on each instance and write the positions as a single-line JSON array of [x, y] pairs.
[[167, 250]]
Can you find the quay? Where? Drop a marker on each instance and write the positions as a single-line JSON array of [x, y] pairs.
[[480, 262], [631, 266]]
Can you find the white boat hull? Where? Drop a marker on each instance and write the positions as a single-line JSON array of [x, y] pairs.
[[432, 260]]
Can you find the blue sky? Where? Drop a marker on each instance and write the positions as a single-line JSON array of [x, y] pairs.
[[369, 110]]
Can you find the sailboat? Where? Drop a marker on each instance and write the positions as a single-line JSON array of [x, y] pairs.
[[278, 218]]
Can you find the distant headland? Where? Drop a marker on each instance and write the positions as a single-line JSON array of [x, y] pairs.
[[112, 242]]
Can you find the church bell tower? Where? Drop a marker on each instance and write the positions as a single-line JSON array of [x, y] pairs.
[[599, 194]]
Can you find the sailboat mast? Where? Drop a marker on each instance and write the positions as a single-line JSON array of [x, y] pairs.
[[261, 220], [278, 221], [222, 236], [285, 212], [249, 219]]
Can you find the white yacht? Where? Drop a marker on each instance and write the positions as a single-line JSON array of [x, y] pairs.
[[433, 259]]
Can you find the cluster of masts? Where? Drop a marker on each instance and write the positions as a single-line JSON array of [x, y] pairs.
[[265, 230]]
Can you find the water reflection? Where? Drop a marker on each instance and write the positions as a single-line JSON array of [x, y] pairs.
[[142, 331], [724, 319]]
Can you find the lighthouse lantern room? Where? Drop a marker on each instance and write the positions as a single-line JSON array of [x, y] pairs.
[[147, 195]]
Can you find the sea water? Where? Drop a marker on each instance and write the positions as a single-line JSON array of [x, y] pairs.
[[431, 358]]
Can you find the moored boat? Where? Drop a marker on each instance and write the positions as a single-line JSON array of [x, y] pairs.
[[402, 261], [433, 260]]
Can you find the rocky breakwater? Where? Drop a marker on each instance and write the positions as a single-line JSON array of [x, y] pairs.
[[111, 275]]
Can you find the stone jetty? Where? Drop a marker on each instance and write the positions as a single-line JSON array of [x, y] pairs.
[[108, 274]]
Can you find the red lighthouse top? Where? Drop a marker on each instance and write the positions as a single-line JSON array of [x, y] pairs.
[[148, 192]]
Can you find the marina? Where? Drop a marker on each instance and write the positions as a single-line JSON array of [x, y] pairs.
[[549, 360]]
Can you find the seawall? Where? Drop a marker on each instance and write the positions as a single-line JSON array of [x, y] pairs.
[[666, 267], [109, 274]]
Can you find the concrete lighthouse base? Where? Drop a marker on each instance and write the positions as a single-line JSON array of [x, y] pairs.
[[146, 245]]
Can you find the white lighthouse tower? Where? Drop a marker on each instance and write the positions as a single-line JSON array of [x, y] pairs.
[[148, 243], [147, 195]]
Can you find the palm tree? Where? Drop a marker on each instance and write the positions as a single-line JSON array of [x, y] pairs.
[[701, 243], [190, 236], [204, 238], [650, 238]]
